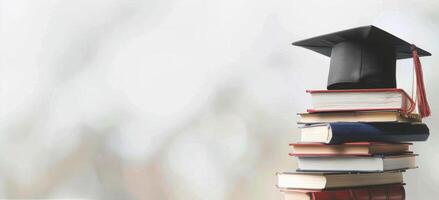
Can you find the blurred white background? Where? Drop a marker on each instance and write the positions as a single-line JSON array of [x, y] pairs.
[[187, 99]]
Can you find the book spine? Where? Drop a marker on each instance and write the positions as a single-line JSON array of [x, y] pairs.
[[391, 192], [359, 90], [377, 132]]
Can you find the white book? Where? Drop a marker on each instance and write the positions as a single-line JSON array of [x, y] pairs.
[[361, 100], [357, 163]]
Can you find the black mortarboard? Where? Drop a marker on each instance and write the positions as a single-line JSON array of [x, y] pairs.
[[363, 57]]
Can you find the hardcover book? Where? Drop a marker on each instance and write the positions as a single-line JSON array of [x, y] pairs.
[[361, 100], [342, 132], [377, 163], [348, 149], [328, 180], [357, 116], [390, 192]]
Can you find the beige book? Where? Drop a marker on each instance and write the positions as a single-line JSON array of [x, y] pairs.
[[363, 148], [357, 116], [315, 180]]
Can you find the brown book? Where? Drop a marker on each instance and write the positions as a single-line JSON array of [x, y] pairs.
[[348, 149]]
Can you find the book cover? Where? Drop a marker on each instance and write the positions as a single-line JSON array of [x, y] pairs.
[[391, 132]]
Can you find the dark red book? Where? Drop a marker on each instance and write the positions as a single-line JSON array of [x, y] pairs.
[[383, 192]]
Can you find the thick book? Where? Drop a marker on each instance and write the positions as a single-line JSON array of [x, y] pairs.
[[348, 149], [357, 116], [377, 163], [329, 180], [361, 100], [390, 192], [342, 132]]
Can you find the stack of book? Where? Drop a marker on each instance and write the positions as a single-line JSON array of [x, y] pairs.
[[355, 144]]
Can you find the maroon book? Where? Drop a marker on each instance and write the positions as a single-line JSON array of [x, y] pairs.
[[383, 192]]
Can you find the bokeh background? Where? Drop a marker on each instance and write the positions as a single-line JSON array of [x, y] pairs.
[[178, 99]]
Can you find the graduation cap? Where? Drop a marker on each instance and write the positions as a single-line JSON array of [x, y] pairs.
[[365, 57]]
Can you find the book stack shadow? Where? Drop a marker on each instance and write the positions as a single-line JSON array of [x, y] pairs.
[[354, 144]]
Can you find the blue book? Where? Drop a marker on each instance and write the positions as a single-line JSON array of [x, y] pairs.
[[343, 132]]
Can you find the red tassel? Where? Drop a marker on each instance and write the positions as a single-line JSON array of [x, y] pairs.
[[423, 107]]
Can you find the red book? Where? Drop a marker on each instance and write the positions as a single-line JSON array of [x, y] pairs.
[[361, 100], [383, 192]]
